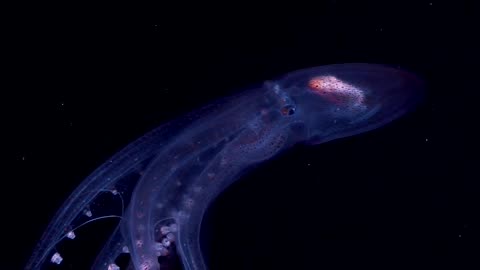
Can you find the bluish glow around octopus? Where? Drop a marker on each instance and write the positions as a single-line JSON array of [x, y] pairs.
[[166, 179]]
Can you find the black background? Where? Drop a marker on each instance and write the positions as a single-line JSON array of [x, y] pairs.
[[84, 80]]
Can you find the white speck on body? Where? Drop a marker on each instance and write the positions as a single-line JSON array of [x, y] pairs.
[[164, 230], [71, 235], [173, 227], [113, 266], [88, 213], [171, 236], [166, 242], [56, 258]]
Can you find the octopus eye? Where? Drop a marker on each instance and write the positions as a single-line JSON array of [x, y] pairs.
[[288, 110]]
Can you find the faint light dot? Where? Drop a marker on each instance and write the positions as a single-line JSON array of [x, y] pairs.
[[460, 236], [426, 139], [23, 158], [308, 164], [430, 3]]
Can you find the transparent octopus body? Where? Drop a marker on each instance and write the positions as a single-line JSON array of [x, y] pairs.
[[166, 179]]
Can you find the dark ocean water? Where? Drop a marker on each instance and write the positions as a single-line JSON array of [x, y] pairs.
[[87, 80]]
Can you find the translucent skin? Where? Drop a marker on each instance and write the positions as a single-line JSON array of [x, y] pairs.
[[168, 178], [346, 99]]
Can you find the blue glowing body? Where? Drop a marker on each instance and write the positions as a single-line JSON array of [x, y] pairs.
[[167, 178]]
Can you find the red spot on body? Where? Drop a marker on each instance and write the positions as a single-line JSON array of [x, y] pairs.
[[335, 90]]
